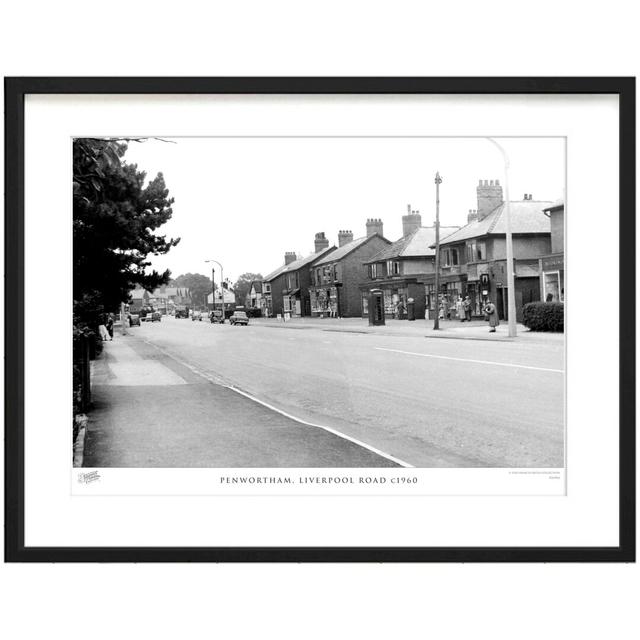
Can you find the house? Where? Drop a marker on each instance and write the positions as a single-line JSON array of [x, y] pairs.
[[551, 266], [473, 259], [255, 299], [286, 290], [336, 277], [402, 269]]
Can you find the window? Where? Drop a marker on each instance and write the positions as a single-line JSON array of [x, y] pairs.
[[393, 268], [551, 287], [454, 256], [481, 251]]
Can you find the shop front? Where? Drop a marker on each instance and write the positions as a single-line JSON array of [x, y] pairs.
[[552, 278], [447, 300], [291, 303], [324, 301], [395, 298]]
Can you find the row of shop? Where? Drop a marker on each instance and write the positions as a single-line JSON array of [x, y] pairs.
[[535, 280]]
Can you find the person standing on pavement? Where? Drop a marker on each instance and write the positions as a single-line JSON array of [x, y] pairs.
[[102, 329], [460, 309], [466, 305], [109, 326], [492, 313]]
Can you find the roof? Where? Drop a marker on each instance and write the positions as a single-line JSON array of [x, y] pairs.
[[346, 249], [526, 217], [275, 274], [296, 264], [558, 204], [416, 245], [257, 286], [303, 262]]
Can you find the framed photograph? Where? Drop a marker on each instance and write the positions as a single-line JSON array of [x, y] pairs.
[[320, 319]]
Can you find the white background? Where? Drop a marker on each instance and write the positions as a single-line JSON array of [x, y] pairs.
[[587, 516], [461, 601]]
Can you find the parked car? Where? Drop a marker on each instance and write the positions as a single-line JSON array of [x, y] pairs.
[[196, 315], [216, 317], [156, 316], [134, 320], [239, 317], [182, 313]]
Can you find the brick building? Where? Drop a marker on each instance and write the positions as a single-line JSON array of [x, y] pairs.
[[336, 277], [286, 290], [473, 259], [402, 269], [551, 266]]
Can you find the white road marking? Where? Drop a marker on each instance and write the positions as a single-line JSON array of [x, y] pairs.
[[498, 364], [221, 383]]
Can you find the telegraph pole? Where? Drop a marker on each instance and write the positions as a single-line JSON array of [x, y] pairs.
[[511, 289], [436, 318]]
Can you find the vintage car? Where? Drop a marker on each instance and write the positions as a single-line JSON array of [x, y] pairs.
[[196, 315], [216, 317], [156, 316], [239, 317]]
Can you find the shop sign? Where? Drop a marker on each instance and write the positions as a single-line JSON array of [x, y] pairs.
[[555, 263]]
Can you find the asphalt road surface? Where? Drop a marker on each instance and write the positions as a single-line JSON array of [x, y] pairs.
[[384, 400]]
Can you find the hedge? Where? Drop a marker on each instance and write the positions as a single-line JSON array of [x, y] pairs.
[[543, 316]]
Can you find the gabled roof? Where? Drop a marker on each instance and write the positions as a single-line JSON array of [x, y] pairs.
[[256, 285], [526, 217], [275, 274], [416, 245], [312, 257], [296, 264], [346, 249]]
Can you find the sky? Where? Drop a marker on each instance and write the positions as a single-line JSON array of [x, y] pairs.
[[246, 201]]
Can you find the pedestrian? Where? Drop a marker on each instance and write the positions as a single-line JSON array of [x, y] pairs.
[[492, 313], [109, 326], [102, 329], [466, 305], [460, 309]]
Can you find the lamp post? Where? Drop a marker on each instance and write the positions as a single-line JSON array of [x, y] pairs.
[[436, 318], [213, 288], [511, 298]]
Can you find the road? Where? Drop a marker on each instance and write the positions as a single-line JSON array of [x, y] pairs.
[[385, 399]]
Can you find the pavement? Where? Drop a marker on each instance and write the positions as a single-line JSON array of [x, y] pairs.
[[474, 330], [151, 411], [181, 393]]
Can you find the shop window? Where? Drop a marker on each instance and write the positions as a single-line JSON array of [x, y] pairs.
[[552, 287]]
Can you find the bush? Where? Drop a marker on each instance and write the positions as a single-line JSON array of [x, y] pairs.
[[253, 313], [544, 316]]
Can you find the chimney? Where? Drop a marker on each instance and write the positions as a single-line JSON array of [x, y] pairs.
[[489, 197], [321, 242], [289, 257], [344, 237], [374, 225], [472, 215], [411, 221]]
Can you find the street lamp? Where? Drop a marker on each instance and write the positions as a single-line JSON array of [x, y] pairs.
[[213, 288], [511, 298], [436, 318]]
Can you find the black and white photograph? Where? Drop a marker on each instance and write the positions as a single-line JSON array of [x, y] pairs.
[[319, 302]]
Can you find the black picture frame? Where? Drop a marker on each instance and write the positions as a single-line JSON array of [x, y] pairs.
[[15, 91]]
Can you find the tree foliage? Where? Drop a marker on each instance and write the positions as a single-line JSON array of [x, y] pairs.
[[115, 217], [243, 286], [199, 286]]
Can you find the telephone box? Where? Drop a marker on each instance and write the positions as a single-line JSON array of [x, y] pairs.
[[376, 307]]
